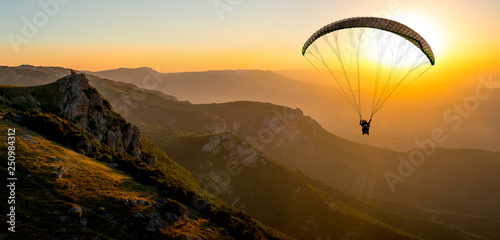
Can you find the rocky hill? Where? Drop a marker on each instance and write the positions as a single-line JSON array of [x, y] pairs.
[[87, 172], [72, 98]]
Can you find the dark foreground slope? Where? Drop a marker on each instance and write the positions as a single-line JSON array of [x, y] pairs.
[[102, 179], [286, 199]]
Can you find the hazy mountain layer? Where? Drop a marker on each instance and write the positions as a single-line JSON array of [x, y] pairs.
[[443, 106]]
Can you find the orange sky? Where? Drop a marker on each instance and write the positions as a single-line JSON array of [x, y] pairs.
[[176, 37]]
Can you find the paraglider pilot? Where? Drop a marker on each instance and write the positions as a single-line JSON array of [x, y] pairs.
[[365, 126]]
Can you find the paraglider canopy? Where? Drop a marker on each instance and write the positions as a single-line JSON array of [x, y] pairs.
[[378, 23], [401, 53]]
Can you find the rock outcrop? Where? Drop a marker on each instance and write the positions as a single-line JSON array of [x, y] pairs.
[[82, 104], [73, 99]]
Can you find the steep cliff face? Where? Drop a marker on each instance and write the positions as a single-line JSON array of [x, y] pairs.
[[83, 105], [73, 98]]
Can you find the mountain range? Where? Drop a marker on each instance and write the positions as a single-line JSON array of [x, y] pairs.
[[312, 94], [274, 164]]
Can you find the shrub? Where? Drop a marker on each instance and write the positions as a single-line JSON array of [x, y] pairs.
[[90, 91], [99, 108], [107, 104], [57, 129], [105, 158]]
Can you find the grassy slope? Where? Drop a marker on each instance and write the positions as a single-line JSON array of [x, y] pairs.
[[43, 199], [175, 180]]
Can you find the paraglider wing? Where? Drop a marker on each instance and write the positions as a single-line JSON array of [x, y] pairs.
[[378, 23]]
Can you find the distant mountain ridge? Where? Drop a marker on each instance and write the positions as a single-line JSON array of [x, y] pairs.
[[137, 76], [322, 102], [316, 100]]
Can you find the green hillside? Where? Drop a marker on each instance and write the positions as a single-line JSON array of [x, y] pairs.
[[62, 194], [80, 186]]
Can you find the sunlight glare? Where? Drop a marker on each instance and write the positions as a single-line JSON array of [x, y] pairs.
[[429, 29]]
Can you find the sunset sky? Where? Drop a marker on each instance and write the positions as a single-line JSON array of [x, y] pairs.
[[174, 36]]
